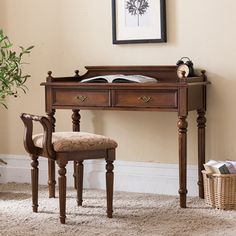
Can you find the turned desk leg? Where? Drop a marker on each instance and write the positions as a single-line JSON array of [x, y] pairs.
[[201, 124], [51, 163], [51, 178], [182, 125], [75, 127]]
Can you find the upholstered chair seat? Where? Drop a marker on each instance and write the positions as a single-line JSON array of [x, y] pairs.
[[62, 147], [76, 141]]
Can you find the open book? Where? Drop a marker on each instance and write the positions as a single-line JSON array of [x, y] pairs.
[[119, 78]]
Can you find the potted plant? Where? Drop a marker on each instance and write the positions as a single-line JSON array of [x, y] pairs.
[[12, 78]]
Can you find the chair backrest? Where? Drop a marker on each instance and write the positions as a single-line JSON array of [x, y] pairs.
[[47, 139]]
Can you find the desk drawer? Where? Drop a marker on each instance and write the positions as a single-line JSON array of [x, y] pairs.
[[143, 98], [76, 97]]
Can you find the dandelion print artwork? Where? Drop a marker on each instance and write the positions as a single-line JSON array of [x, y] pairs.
[[138, 21], [138, 10]]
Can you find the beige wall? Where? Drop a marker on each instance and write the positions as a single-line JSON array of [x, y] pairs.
[[69, 34]]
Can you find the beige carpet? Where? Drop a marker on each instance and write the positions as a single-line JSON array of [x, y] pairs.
[[134, 214]]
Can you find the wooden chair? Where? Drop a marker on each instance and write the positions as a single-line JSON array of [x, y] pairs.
[[63, 147]]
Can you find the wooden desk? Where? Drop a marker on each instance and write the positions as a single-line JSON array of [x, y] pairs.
[[169, 94]]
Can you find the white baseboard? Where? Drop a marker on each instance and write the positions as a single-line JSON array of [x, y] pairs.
[[143, 177]]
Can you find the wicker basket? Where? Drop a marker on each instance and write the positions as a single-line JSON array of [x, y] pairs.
[[220, 190]]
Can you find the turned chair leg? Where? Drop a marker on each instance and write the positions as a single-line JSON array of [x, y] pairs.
[[109, 187], [79, 178], [34, 182], [62, 190]]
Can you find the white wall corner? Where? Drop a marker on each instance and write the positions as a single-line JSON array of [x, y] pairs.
[[143, 177]]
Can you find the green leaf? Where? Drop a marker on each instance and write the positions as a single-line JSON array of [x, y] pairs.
[[4, 105], [29, 48]]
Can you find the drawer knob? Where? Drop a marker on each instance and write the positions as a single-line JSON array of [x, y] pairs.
[[81, 98], [145, 99]]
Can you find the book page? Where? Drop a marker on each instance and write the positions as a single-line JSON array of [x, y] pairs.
[[119, 78], [105, 78]]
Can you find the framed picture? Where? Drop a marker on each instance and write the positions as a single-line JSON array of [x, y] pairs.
[[138, 21]]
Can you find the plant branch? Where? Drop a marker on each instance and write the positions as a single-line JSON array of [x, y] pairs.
[[11, 77]]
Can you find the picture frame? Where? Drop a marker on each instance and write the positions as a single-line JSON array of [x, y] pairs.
[[138, 21]]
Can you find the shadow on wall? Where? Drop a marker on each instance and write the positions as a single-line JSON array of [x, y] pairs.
[[141, 136], [4, 135], [221, 129], [3, 111]]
